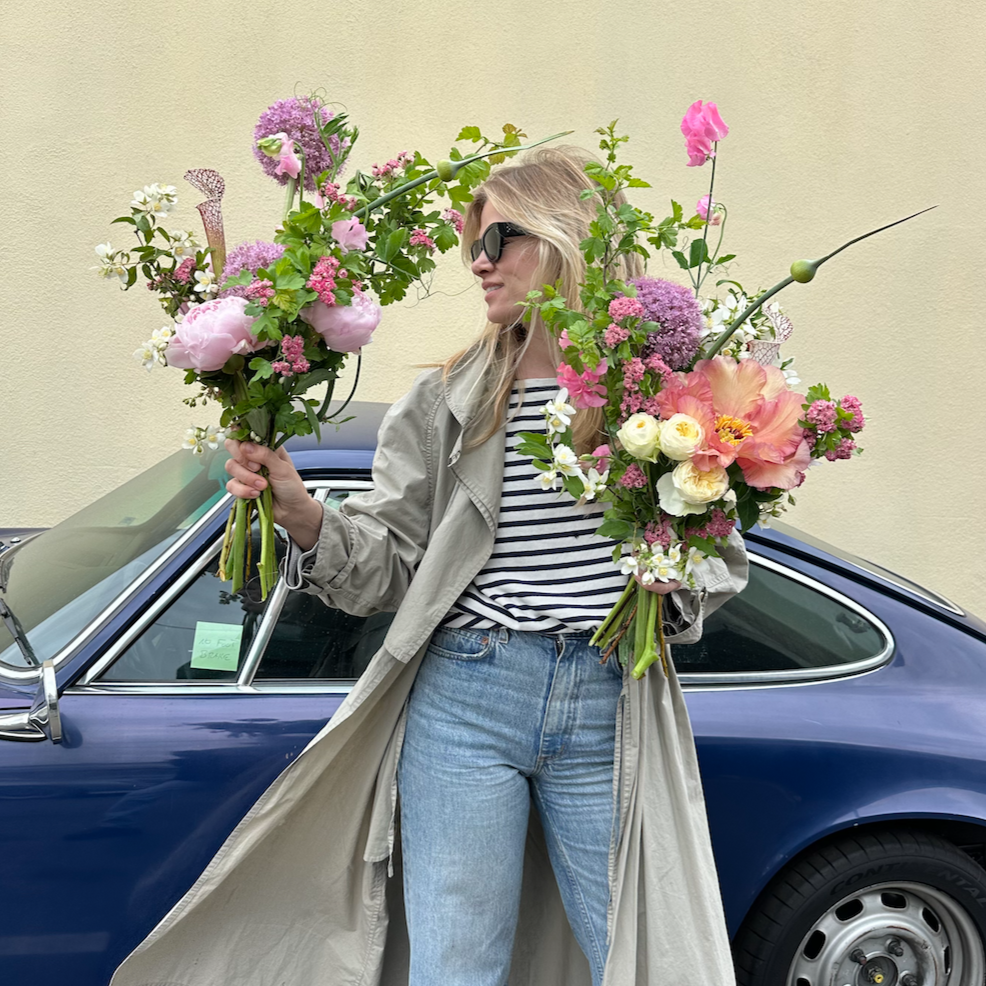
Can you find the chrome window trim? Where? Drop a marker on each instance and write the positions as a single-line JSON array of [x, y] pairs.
[[88, 683], [95, 624], [803, 675]]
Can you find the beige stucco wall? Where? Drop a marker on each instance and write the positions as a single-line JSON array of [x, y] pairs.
[[843, 115]]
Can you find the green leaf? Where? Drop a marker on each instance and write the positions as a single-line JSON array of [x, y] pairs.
[[470, 133], [616, 530], [312, 418], [680, 257], [698, 253], [125, 219], [677, 213], [131, 277], [638, 183], [262, 368], [574, 486], [748, 510]]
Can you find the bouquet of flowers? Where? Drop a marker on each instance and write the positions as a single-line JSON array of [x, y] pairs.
[[705, 427], [255, 329]]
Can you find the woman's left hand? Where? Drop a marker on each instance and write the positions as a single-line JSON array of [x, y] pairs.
[[661, 588]]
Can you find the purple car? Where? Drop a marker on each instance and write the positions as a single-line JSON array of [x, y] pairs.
[[839, 712]]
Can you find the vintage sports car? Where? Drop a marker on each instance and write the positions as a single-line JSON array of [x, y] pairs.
[[839, 712]]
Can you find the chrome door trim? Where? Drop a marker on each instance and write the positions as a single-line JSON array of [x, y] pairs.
[[801, 675]]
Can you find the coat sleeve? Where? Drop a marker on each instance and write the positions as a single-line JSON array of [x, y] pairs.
[[717, 580], [368, 550]]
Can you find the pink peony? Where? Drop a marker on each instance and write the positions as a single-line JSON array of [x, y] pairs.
[[350, 234], [345, 328], [702, 126], [584, 389], [749, 416], [210, 334]]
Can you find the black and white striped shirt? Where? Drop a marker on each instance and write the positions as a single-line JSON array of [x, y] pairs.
[[548, 572]]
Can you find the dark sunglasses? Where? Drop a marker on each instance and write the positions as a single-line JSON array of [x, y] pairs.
[[492, 241]]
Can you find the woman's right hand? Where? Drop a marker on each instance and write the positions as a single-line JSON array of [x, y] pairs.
[[294, 508]]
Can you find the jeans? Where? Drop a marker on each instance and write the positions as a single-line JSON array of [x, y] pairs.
[[495, 719]]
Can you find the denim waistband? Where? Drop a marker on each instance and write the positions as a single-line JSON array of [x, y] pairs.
[[503, 634]]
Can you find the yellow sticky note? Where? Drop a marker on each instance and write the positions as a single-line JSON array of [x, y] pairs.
[[216, 646]]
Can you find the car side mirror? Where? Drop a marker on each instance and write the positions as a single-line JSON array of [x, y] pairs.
[[43, 721]]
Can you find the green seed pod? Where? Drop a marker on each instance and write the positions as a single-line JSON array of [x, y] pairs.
[[446, 169], [803, 270]]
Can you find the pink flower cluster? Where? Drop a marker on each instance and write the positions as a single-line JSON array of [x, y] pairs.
[[323, 279], [702, 127], [614, 335], [659, 532], [420, 238], [853, 405], [454, 218], [623, 307], [293, 360], [843, 450], [822, 415], [331, 192], [633, 478], [584, 389], [717, 526], [634, 371], [184, 270], [403, 160], [260, 291]]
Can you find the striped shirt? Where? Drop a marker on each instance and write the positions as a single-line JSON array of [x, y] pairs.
[[548, 572]]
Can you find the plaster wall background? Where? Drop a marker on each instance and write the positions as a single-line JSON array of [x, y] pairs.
[[843, 116]]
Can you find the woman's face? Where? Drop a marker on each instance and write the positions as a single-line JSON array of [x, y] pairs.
[[506, 282]]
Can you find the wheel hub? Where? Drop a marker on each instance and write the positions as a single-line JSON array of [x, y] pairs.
[[891, 935]]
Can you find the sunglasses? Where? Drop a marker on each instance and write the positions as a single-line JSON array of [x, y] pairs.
[[493, 239]]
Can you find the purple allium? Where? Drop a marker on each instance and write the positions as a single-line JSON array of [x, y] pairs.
[[296, 118], [675, 309], [251, 257]]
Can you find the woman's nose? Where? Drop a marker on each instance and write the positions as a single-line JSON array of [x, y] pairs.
[[481, 264]]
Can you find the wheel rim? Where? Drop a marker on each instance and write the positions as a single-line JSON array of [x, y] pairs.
[[891, 934]]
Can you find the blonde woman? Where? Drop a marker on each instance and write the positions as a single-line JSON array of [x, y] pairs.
[[497, 587]]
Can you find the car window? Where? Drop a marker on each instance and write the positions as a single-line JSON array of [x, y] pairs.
[[312, 640], [204, 634], [781, 623]]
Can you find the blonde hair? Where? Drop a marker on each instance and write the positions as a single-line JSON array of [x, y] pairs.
[[540, 192]]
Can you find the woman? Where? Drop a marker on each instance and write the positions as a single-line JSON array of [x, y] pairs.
[[510, 703]]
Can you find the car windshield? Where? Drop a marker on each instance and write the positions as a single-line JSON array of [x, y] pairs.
[[56, 583]]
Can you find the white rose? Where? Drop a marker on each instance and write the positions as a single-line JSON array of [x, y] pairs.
[[688, 490], [681, 437], [641, 436]]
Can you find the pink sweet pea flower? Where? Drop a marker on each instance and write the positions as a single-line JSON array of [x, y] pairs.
[[345, 328], [601, 454], [584, 389], [701, 127], [706, 205], [288, 162], [350, 234], [210, 334]]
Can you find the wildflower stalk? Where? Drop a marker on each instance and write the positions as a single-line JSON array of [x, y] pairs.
[[699, 277], [290, 187], [456, 167], [808, 270]]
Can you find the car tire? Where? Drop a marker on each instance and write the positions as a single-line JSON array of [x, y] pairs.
[[894, 907]]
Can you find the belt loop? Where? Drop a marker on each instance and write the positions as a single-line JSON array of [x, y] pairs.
[[504, 635]]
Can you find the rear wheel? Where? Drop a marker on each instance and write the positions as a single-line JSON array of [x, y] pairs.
[[892, 908]]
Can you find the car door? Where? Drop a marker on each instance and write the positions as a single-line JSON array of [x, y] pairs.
[[168, 739]]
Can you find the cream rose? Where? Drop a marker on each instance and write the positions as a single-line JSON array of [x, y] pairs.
[[688, 490], [681, 437], [641, 436]]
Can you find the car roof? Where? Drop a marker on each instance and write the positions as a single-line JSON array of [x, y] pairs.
[[345, 447]]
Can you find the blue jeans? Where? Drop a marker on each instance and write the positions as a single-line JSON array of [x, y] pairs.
[[496, 718]]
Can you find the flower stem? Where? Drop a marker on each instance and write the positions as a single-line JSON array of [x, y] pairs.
[[724, 337], [614, 616], [456, 166], [290, 187], [705, 229]]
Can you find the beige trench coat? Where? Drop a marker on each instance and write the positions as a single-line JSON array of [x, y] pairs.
[[299, 894]]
